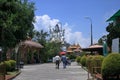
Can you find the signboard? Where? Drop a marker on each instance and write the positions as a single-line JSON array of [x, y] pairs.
[[116, 45]]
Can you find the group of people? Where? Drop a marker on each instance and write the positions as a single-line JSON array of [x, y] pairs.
[[58, 59]]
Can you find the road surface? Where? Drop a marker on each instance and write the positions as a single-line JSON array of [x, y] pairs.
[[47, 71]]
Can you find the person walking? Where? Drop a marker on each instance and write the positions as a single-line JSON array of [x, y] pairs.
[[57, 61], [64, 60]]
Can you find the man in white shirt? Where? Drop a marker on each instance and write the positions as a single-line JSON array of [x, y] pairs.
[[57, 61]]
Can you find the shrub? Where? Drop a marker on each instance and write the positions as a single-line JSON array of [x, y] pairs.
[[13, 64], [1, 64], [88, 60], [94, 62], [78, 58], [89, 63], [97, 62], [83, 53], [83, 60], [111, 65], [2, 68], [8, 65], [72, 56]]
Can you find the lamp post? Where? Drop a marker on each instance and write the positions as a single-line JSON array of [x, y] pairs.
[[91, 29], [91, 39]]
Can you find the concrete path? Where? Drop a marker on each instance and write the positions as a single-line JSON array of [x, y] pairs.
[[48, 72]]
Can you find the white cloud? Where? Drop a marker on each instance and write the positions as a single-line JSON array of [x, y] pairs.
[[44, 22]]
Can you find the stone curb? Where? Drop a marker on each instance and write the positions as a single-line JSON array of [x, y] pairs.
[[13, 76]]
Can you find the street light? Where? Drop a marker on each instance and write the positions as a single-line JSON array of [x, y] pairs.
[[91, 29]]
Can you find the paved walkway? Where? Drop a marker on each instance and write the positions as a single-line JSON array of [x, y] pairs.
[[48, 72]]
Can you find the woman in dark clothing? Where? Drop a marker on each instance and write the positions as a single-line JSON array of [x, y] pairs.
[[64, 60]]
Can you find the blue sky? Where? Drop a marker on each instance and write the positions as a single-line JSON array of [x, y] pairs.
[[72, 13]]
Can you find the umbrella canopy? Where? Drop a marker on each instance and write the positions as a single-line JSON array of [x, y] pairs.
[[30, 43], [62, 53], [96, 46]]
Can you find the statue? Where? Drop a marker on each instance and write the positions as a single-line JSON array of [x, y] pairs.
[[57, 34]]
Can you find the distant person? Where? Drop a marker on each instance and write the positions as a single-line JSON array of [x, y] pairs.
[[57, 61], [68, 61], [53, 59], [64, 60]]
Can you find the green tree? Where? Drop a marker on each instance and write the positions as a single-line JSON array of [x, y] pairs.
[[114, 32], [40, 36], [100, 42], [53, 48], [103, 38], [50, 48], [16, 22]]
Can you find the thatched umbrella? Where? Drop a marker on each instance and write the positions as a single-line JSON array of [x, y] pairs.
[[29, 46], [94, 48], [32, 44]]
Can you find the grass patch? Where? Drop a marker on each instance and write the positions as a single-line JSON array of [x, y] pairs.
[[13, 73]]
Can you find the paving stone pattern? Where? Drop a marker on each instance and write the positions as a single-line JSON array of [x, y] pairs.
[[48, 71]]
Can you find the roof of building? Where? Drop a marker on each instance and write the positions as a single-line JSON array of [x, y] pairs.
[[113, 18], [77, 50], [69, 50]]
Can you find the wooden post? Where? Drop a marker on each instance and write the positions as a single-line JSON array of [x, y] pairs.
[[88, 70]]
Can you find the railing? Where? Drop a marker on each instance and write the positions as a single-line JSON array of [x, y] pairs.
[[95, 69]]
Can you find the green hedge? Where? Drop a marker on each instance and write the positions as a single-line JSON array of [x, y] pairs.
[[10, 65], [78, 58], [111, 65], [89, 63], [98, 60], [89, 60], [83, 60], [13, 64], [94, 61], [2, 68], [72, 56]]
